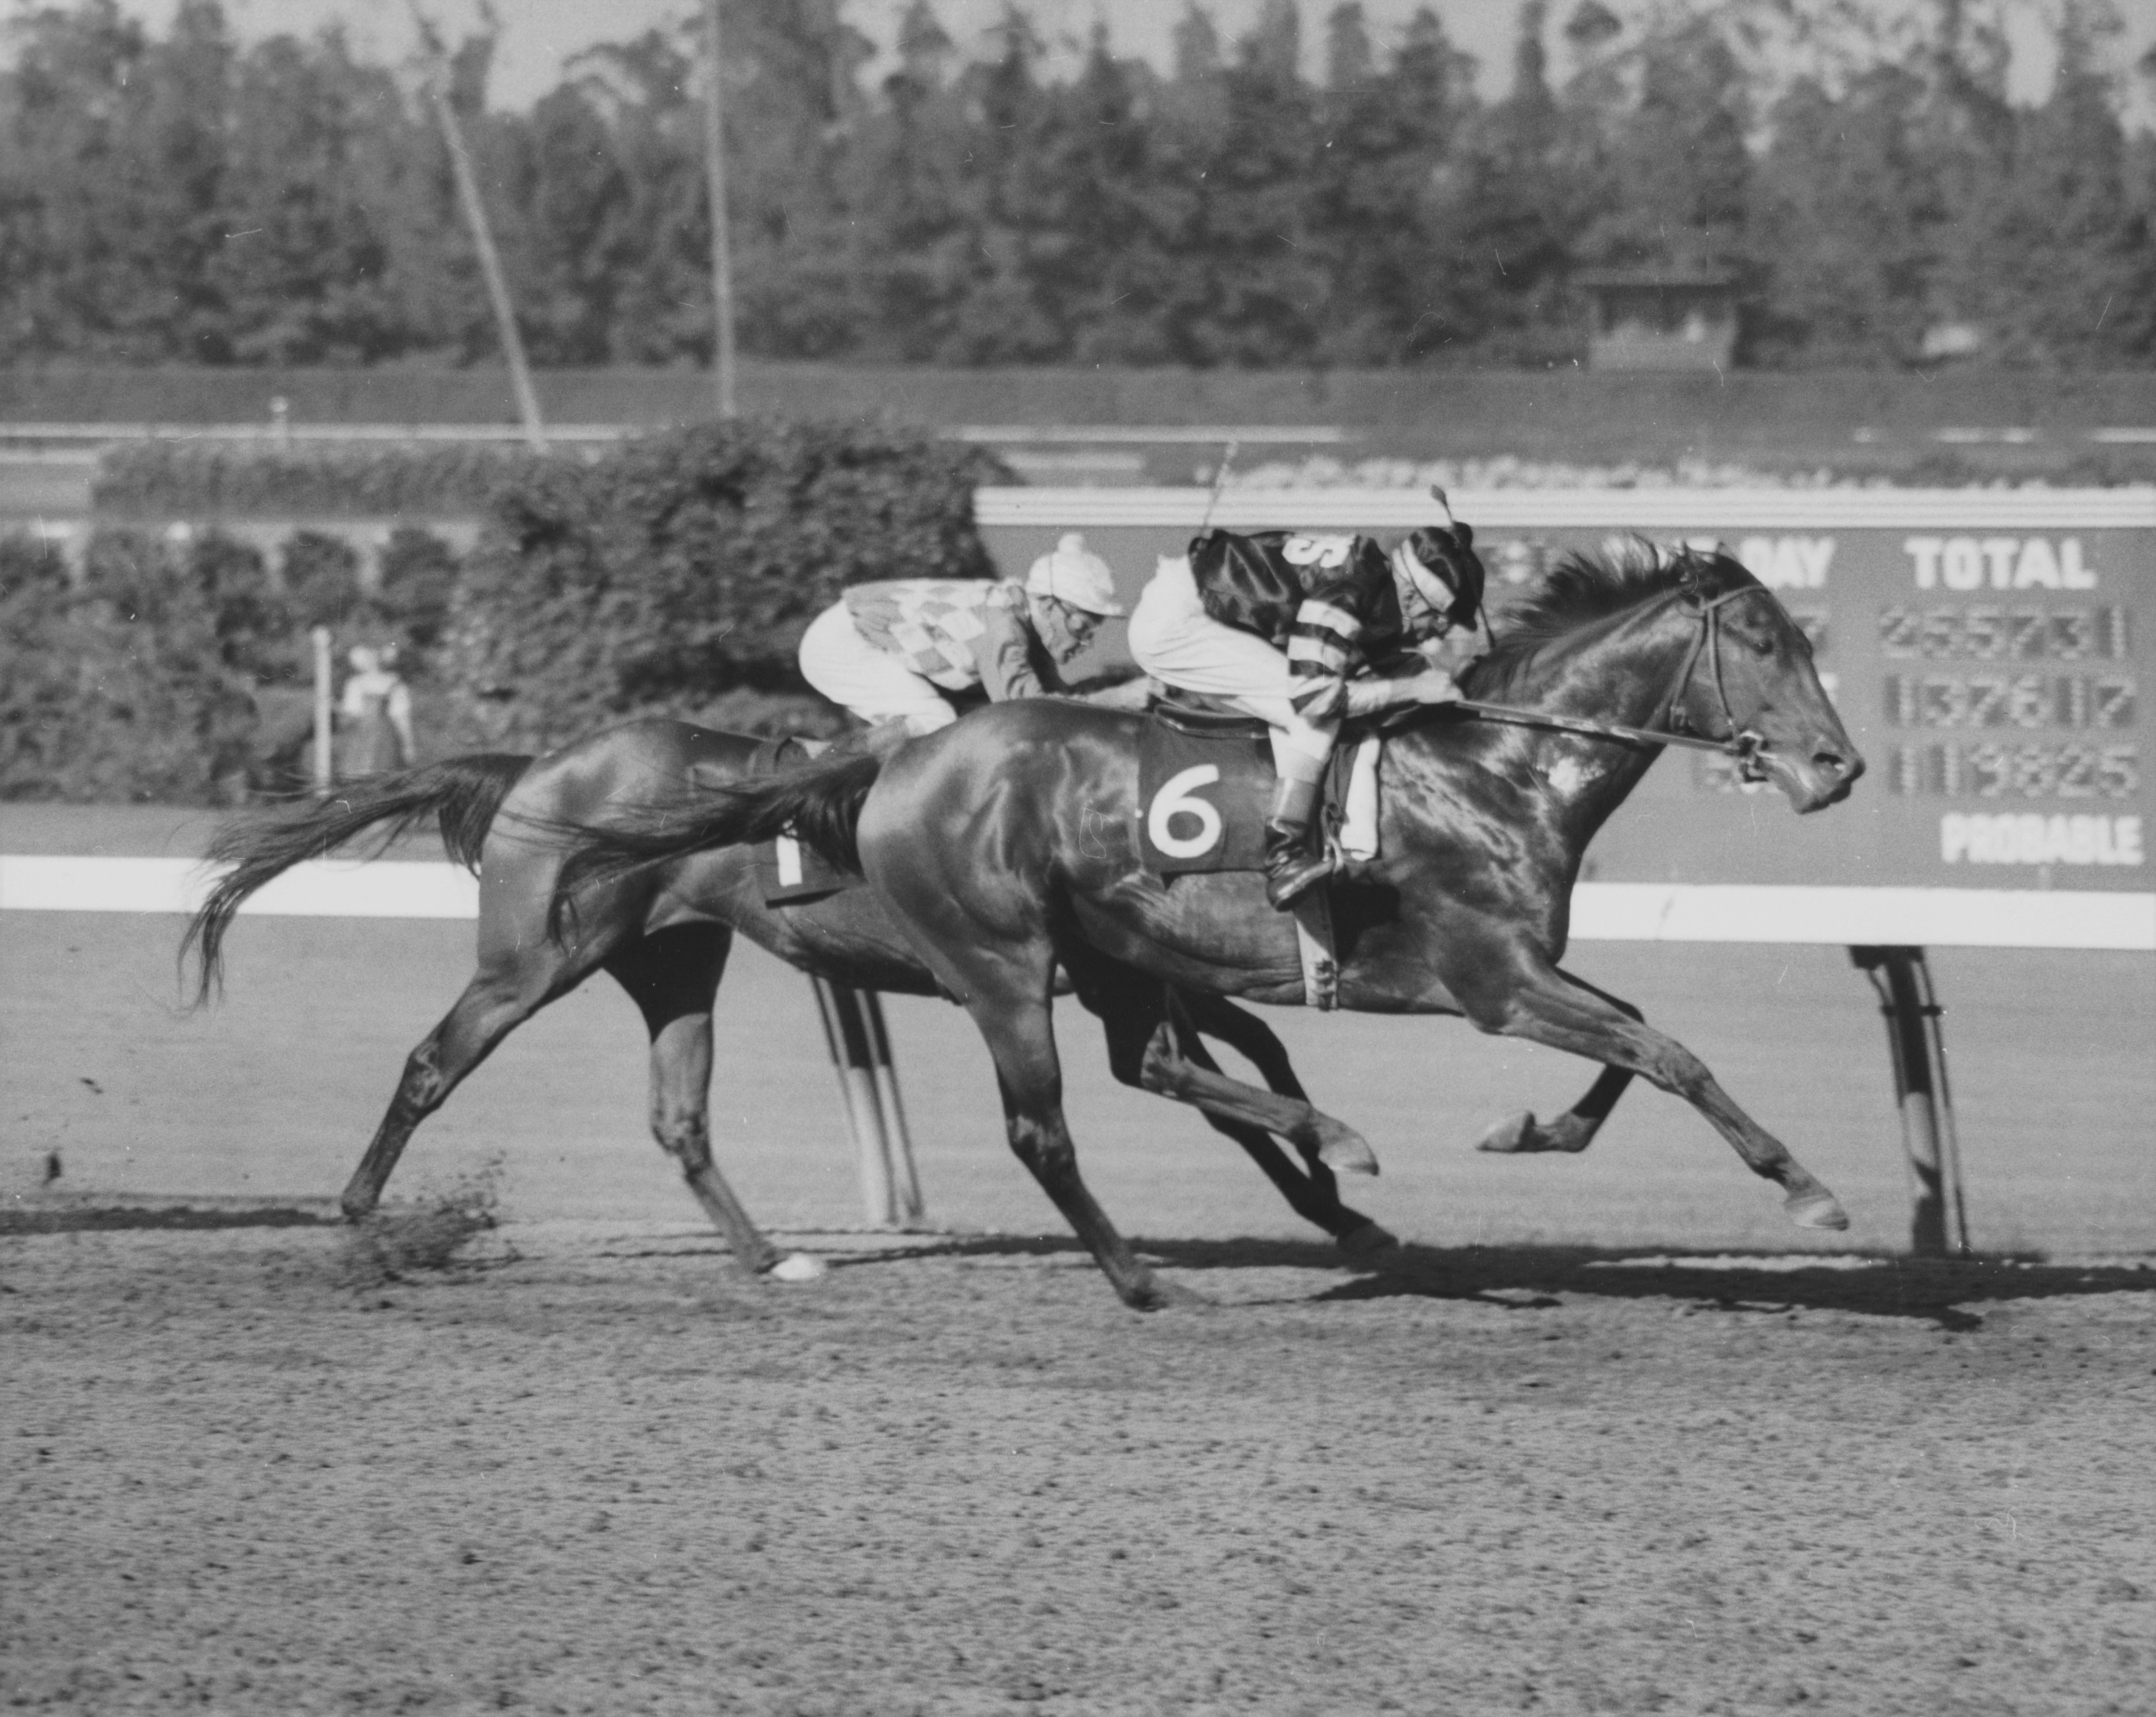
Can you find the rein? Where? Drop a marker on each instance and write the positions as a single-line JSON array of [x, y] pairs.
[[1517, 716], [1739, 743]]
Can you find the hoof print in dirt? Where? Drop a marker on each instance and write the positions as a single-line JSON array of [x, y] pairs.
[[396, 1243]]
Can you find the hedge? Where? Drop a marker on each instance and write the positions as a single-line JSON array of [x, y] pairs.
[[673, 575], [161, 480], [126, 687], [676, 574], [180, 672]]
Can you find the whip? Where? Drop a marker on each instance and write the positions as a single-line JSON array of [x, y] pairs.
[[1219, 483]]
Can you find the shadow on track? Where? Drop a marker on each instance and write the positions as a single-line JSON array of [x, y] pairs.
[[1940, 1291]]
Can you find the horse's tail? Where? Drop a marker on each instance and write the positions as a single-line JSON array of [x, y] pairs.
[[819, 803], [463, 794]]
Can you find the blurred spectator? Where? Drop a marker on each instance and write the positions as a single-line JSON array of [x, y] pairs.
[[376, 713]]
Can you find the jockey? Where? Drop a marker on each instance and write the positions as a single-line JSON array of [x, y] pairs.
[[889, 651], [1286, 626]]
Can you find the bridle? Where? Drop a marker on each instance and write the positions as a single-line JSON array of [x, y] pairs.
[[1676, 718], [1675, 725]]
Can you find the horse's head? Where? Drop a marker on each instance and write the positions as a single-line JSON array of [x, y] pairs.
[[1748, 674]]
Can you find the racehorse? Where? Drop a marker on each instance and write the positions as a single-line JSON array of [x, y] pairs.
[[664, 937], [1005, 847]]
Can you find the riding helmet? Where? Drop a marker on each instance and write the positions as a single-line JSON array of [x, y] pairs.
[[1446, 570]]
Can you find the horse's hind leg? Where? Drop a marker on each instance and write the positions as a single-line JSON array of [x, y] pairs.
[[1533, 999], [494, 1004], [1571, 1132], [1313, 1193], [520, 969], [672, 977], [1574, 1131]]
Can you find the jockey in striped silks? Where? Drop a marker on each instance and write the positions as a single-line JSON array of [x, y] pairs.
[[1286, 626]]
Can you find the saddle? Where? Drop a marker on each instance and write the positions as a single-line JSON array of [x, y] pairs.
[[1205, 776], [791, 873]]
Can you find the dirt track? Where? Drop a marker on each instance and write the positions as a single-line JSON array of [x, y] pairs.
[[246, 1474]]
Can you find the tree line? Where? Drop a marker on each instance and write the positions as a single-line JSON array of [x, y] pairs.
[[184, 197]]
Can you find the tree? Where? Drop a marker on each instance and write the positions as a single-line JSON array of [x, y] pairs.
[[1349, 58], [1847, 224], [1508, 209], [1677, 164], [1384, 144], [108, 193], [2068, 252], [305, 272]]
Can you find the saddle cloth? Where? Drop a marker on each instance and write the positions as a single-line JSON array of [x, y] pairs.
[[1205, 783], [790, 872]]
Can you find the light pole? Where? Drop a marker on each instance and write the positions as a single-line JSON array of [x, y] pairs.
[[715, 181], [489, 261]]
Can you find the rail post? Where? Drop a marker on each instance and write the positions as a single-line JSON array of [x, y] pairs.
[[1902, 980], [868, 1093], [898, 1142], [325, 740]]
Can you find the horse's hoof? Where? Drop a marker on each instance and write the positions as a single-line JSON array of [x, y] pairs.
[[1816, 1210], [1156, 1295], [1511, 1137], [1368, 1243], [357, 1210], [798, 1267], [1346, 1152]]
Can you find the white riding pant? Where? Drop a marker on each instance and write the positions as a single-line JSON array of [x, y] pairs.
[[1176, 642], [873, 685]]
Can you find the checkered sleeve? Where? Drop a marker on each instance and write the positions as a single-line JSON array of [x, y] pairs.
[[1004, 654]]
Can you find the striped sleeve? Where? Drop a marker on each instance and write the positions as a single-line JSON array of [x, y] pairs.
[[1323, 646]]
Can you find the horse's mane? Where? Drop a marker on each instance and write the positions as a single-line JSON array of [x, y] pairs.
[[1581, 588]]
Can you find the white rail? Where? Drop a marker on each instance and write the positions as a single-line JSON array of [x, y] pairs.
[[1601, 912], [1607, 509]]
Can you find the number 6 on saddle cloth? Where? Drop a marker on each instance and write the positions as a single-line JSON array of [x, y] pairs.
[[1205, 781]]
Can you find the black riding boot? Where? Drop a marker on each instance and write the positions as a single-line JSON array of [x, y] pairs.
[[1292, 864]]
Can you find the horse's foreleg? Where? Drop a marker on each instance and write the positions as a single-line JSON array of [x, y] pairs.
[[1013, 1018], [1536, 1002], [673, 977], [1314, 1194]]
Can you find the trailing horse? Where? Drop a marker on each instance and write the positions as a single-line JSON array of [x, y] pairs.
[[663, 935], [1005, 847]]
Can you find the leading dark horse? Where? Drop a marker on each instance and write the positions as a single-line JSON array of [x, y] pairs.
[[1005, 847], [664, 935]]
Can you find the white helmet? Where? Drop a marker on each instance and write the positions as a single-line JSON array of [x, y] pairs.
[[1075, 575]]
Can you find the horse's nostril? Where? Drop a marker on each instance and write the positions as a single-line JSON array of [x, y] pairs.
[[1831, 762]]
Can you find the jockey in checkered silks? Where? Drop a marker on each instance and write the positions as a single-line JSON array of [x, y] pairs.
[[890, 652], [1288, 626]]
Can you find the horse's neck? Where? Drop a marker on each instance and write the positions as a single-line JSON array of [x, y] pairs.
[[1622, 673]]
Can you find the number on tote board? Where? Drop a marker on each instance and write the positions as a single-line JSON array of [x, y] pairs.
[[1981, 771], [2026, 700], [1994, 634]]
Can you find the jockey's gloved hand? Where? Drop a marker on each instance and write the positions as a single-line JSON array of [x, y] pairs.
[[1433, 685]]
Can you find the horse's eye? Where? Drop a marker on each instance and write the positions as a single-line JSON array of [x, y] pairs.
[[1763, 645]]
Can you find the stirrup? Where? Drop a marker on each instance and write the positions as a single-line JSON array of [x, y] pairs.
[[1288, 880]]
